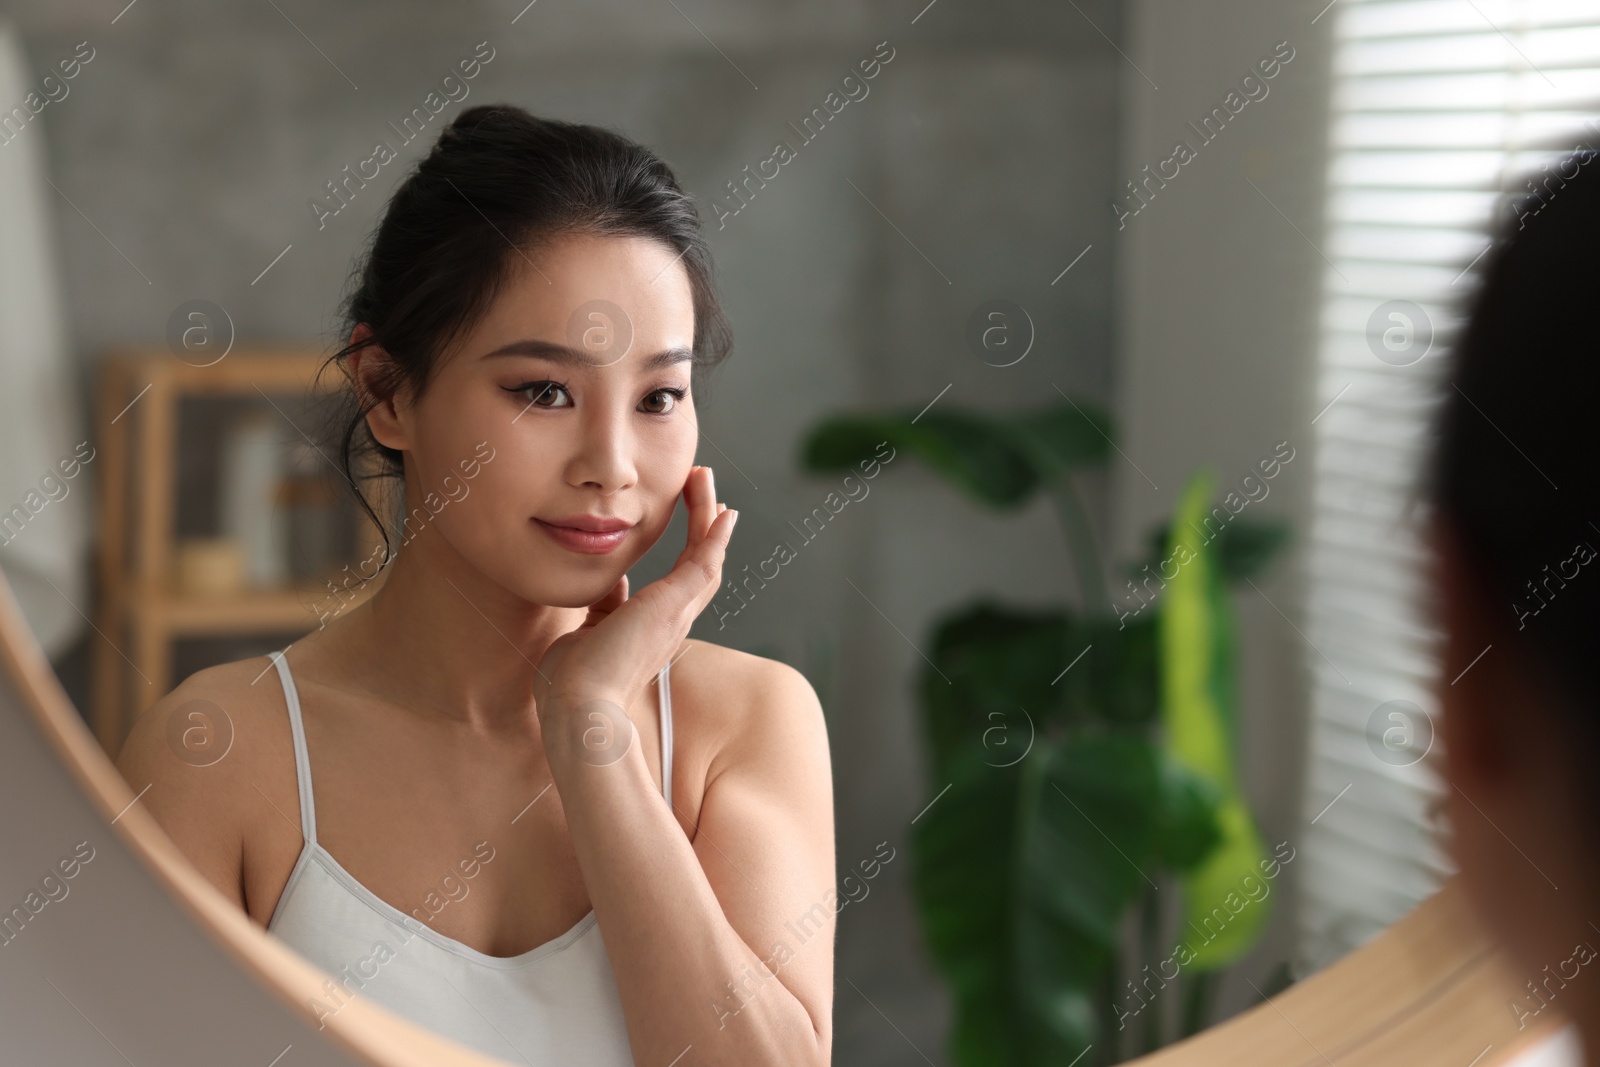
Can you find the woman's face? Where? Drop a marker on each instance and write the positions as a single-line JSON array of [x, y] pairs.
[[569, 398]]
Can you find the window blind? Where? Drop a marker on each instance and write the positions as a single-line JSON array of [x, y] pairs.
[[1439, 110]]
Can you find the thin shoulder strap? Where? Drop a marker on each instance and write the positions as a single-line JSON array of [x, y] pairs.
[[663, 681], [302, 758]]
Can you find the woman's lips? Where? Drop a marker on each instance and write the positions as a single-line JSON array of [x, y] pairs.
[[583, 540]]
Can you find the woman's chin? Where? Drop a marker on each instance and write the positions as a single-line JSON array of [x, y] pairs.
[[569, 590]]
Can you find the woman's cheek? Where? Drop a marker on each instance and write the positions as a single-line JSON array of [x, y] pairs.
[[485, 511], [496, 500], [672, 462]]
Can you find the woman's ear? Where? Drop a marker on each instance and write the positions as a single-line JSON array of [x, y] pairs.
[[372, 373]]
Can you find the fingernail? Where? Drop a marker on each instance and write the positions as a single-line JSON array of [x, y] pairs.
[[735, 519]]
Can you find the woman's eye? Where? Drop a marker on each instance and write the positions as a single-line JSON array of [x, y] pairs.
[[542, 394], [670, 397], [554, 395]]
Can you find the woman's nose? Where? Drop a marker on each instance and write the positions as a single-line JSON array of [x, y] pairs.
[[604, 458]]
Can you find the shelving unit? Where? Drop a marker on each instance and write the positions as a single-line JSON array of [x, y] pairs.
[[139, 611]]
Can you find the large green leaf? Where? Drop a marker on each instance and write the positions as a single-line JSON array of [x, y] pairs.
[[1114, 673], [1198, 694], [992, 690], [964, 880], [1063, 437], [1186, 821], [1061, 804], [998, 460], [1007, 674], [1087, 850], [1022, 875]]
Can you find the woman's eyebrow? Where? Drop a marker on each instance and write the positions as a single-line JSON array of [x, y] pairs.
[[558, 353]]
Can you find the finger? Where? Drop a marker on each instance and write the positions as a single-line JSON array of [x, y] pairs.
[[707, 560], [685, 590], [700, 493]]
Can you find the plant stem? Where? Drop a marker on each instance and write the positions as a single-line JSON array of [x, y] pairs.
[[1149, 938], [1111, 1040], [1196, 1002], [1080, 542], [1031, 782]]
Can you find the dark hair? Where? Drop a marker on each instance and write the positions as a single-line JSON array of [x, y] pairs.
[[498, 184], [1514, 470]]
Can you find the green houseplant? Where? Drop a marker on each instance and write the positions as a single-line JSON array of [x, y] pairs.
[[1077, 756]]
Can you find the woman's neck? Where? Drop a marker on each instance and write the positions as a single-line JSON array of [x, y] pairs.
[[440, 638]]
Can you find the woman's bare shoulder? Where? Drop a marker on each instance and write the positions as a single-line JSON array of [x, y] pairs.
[[216, 717], [204, 757], [741, 702], [729, 679]]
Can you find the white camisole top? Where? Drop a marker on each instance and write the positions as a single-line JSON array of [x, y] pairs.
[[554, 1004]]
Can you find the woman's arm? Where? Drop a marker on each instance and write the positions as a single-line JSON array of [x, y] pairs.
[[195, 800], [723, 945]]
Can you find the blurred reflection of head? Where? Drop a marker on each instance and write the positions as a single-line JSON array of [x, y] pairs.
[[1514, 483]]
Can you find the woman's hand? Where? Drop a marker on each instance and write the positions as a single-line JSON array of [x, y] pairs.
[[587, 678]]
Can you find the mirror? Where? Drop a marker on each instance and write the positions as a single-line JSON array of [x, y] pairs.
[[1072, 332]]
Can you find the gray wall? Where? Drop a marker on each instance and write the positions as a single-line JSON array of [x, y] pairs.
[[194, 139]]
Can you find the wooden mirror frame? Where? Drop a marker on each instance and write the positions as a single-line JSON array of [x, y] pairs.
[[156, 963]]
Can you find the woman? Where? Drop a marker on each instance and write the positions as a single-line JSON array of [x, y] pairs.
[[544, 823], [1515, 526]]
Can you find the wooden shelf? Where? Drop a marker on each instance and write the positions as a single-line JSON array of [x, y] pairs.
[[271, 370], [252, 611], [139, 392]]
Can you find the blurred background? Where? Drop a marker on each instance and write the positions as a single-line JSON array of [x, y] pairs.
[[995, 255]]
